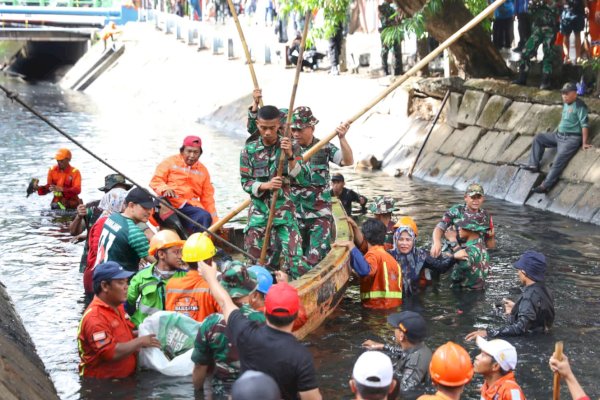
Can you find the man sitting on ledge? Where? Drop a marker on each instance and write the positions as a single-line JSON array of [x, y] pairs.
[[571, 134]]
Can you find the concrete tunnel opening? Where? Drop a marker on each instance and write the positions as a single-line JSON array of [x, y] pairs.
[[46, 61]]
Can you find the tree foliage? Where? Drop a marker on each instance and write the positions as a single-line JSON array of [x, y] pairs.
[[335, 13], [416, 24]]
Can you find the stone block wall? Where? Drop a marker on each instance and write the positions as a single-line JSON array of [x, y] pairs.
[[487, 130]]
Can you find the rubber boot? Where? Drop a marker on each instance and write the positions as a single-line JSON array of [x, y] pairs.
[[522, 79], [545, 85]]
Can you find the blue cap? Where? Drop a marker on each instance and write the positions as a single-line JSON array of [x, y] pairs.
[[110, 270], [533, 264], [264, 277]]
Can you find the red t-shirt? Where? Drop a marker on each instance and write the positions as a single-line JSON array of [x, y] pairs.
[[93, 239], [100, 329]]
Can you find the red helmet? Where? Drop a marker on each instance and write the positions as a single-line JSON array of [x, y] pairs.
[[451, 365]]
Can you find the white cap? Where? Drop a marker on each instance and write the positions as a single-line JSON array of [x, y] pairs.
[[373, 369], [503, 352]]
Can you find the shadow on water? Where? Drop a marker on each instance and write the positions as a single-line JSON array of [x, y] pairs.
[[39, 264]]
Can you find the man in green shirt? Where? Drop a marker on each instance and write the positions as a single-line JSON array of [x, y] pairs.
[[571, 134]]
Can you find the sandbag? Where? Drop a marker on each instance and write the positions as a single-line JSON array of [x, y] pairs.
[[176, 333]]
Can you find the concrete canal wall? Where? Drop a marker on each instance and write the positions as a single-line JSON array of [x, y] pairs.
[[488, 129], [22, 373]]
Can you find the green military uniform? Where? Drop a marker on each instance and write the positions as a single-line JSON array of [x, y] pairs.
[[312, 196], [146, 293], [258, 164], [387, 19], [471, 273], [544, 18], [213, 346]]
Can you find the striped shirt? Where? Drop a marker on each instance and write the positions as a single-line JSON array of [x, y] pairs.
[[123, 242]]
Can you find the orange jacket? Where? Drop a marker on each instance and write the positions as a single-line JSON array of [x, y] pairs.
[[505, 388], [69, 180], [382, 288], [191, 184], [190, 295]]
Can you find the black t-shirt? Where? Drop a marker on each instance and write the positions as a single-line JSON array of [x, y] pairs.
[[276, 353], [347, 197]]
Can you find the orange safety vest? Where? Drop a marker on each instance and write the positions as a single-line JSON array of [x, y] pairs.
[[382, 288], [505, 388], [190, 295], [69, 180], [191, 184]]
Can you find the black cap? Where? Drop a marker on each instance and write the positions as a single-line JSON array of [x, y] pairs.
[[139, 196], [337, 178], [569, 87], [254, 385], [411, 323]]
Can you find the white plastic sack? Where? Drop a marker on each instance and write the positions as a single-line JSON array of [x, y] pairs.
[[176, 333]]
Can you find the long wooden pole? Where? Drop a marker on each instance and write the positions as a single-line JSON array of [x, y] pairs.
[[447, 43], [435, 120], [558, 354], [245, 47], [282, 156]]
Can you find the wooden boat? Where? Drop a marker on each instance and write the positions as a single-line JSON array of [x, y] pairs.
[[322, 288]]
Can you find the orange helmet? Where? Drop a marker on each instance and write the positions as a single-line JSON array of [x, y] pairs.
[[407, 221], [451, 365], [165, 239], [61, 154]]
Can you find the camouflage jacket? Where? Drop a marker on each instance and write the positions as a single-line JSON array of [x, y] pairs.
[[386, 16], [312, 196], [258, 164], [544, 13], [213, 347], [471, 273], [458, 212]]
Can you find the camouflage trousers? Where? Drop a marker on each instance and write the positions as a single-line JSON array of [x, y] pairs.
[[316, 238], [545, 37], [285, 248], [397, 52]]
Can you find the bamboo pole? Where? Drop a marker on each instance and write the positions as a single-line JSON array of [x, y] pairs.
[[447, 43], [282, 156], [246, 51], [558, 354]]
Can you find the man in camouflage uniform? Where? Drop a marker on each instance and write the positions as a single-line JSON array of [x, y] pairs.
[[382, 208], [312, 196], [258, 170], [471, 271], [474, 198], [544, 19], [213, 347], [388, 17], [252, 117]]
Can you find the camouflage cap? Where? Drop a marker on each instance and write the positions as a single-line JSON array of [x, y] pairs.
[[383, 205], [237, 280], [473, 189], [303, 118], [476, 222], [283, 116]]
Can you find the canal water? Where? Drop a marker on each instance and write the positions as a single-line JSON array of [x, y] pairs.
[[39, 263]]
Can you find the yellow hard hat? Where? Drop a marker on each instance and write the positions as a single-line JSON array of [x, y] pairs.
[[165, 239], [198, 247]]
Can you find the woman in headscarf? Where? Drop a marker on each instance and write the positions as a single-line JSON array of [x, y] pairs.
[[112, 201], [416, 262]]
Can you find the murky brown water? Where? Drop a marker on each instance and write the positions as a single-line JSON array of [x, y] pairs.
[[39, 265]]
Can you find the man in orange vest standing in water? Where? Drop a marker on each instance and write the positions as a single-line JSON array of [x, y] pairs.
[[64, 181], [185, 181]]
